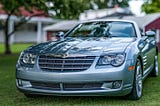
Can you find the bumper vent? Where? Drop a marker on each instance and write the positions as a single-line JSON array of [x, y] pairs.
[[68, 64], [66, 86]]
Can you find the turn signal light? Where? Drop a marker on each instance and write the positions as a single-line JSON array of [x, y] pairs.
[[130, 68]]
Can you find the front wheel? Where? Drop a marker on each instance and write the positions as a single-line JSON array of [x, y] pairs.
[[136, 92]]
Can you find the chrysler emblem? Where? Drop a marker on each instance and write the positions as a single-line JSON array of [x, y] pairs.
[[64, 56], [61, 55]]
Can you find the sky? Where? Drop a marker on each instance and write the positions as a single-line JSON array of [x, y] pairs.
[[135, 6]]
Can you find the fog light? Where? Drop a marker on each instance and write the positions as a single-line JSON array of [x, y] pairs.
[[19, 82], [26, 84], [116, 84], [107, 85]]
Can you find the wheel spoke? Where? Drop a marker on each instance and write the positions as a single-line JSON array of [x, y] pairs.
[[156, 65], [139, 79]]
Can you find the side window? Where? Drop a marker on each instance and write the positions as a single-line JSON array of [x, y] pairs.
[[122, 29]]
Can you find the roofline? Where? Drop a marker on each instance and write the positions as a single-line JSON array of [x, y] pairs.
[[49, 27], [145, 24], [150, 22], [119, 20], [33, 19]]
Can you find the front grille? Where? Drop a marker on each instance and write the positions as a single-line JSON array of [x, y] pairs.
[[66, 86], [68, 64]]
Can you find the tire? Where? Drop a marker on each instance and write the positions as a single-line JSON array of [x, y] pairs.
[[154, 72], [136, 92]]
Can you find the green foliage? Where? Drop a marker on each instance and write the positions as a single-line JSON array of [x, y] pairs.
[[13, 6], [64, 9], [151, 6], [101, 3], [120, 3], [70, 9]]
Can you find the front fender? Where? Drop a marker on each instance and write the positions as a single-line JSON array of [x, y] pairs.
[[133, 52]]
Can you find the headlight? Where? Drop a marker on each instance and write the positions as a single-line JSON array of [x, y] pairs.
[[28, 58], [112, 59]]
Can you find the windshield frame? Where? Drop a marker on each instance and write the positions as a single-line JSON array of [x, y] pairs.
[[80, 24]]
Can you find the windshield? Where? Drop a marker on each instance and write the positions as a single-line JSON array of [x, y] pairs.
[[103, 29]]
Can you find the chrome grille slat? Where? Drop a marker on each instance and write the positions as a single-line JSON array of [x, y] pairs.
[[64, 68], [67, 64], [65, 59]]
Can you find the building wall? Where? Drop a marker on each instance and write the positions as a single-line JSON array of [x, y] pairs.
[[26, 33], [22, 36], [25, 36], [1, 36], [153, 25], [32, 31]]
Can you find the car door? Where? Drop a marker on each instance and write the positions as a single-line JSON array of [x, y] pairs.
[[148, 51]]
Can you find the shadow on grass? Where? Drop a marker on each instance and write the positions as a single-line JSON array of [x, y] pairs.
[[74, 99]]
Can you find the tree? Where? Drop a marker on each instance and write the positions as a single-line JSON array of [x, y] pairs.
[[13, 7], [70, 9], [151, 6], [100, 3], [119, 3]]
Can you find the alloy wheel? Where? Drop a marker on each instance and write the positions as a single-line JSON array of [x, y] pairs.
[[138, 79], [156, 65]]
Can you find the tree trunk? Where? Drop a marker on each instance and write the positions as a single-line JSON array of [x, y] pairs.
[[7, 44], [7, 36]]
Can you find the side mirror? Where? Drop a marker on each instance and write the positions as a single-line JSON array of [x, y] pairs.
[[150, 33], [60, 35]]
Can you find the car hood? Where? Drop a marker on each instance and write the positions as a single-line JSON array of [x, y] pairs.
[[82, 46]]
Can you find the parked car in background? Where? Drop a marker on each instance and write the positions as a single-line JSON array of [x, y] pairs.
[[96, 58]]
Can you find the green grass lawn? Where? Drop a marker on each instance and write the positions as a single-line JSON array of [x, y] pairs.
[[16, 48], [10, 96]]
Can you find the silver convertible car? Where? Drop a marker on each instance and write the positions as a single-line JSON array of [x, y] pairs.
[[96, 58]]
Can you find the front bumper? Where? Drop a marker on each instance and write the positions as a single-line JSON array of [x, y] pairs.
[[104, 76]]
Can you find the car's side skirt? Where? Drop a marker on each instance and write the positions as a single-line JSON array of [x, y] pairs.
[[147, 71]]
